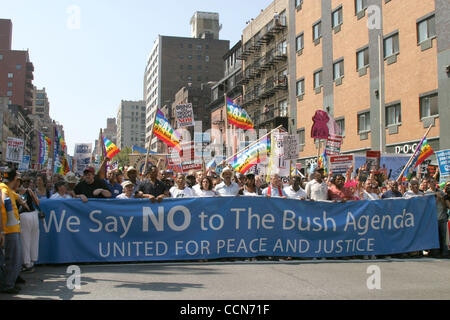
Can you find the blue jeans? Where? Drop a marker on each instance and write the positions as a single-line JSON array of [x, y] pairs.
[[13, 259]]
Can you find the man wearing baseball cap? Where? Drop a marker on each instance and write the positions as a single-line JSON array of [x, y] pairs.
[[91, 187], [10, 234]]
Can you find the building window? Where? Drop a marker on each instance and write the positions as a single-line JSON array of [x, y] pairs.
[[207, 58], [341, 125], [181, 57], [429, 106], [318, 79], [426, 29], [298, 3], [199, 57], [300, 87], [10, 76], [301, 137], [299, 43], [364, 122], [338, 70], [18, 66], [9, 84], [190, 45], [391, 46], [283, 108], [199, 47], [1, 57], [190, 67], [393, 115], [317, 31], [360, 5], [362, 58], [9, 93], [337, 17], [282, 47]]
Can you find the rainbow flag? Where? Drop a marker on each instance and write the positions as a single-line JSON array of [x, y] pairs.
[[253, 155], [323, 162], [164, 131], [425, 152], [238, 117], [44, 148], [111, 148]]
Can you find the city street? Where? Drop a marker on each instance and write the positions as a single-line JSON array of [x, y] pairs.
[[427, 279]]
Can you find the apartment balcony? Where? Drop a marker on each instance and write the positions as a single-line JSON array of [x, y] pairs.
[[248, 98], [30, 66], [273, 118], [280, 24], [246, 51], [281, 83], [280, 55]]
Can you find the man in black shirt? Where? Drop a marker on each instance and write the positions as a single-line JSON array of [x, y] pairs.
[[153, 189], [91, 187], [392, 191]]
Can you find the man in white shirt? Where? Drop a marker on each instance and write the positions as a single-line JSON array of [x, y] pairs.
[[180, 190], [275, 188], [227, 188], [294, 191], [199, 175], [317, 189], [128, 189]]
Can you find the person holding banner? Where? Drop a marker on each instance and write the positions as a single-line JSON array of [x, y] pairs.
[[91, 187], [294, 190], [128, 188], [275, 189], [317, 188], [61, 191], [370, 190], [153, 189], [413, 189], [337, 190], [180, 190], [206, 188], [392, 191], [250, 189], [442, 217], [227, 188]]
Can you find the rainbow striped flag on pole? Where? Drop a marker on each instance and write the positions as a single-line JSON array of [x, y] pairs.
[[253, 155], [238, 117], [164, 131], [110, 148], [423, 152]]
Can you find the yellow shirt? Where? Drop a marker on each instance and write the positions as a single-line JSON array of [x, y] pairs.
[[11, 222]]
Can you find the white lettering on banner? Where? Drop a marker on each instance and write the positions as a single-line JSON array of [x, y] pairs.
[[133, 249], [158, 223], [112, 226]]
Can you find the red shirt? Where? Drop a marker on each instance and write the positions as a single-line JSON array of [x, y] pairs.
[[340, 194]]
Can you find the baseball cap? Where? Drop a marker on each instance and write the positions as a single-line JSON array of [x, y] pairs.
[[127, 183], [131, 169]]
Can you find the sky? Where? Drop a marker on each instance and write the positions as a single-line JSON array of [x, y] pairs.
[[90, 55]]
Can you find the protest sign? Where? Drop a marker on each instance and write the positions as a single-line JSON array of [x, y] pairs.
[[390, 164], [443, 158], [277, 163], [185, 115], [334, 144], [290, 147], [25, 164], [341, 164], [82, 156], [373, 160], [14, 150], [212, 228]]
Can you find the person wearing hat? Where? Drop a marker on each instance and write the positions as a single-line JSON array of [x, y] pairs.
[[317, 188], [61, 191], [10, 234], [132, 176], [227, 188], [71, 182], [128, 191], [91, 187]]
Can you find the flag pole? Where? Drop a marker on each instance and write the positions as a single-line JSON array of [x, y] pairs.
[[251, 145], [414, 154], [149, 143], [226, 123]]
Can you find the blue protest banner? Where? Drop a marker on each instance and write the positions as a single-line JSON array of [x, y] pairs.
[[209, 228], [443, 158]]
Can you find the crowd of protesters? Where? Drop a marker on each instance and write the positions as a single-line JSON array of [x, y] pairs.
[[21, 196]]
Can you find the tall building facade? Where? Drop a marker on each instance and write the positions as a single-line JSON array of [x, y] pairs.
[[266, 66], [16, 70], [176, 62], [130, 124], [110, 132], [205, 25], [380, 68]]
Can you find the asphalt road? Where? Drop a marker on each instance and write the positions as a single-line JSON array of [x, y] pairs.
[[285, 280]]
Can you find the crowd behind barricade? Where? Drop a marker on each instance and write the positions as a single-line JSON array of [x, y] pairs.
[[21, 196]]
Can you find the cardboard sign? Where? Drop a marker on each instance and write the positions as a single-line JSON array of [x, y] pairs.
[[341, 164], [373, 160], [334, 144], [185, 115], [14, 150], [290, 147]]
